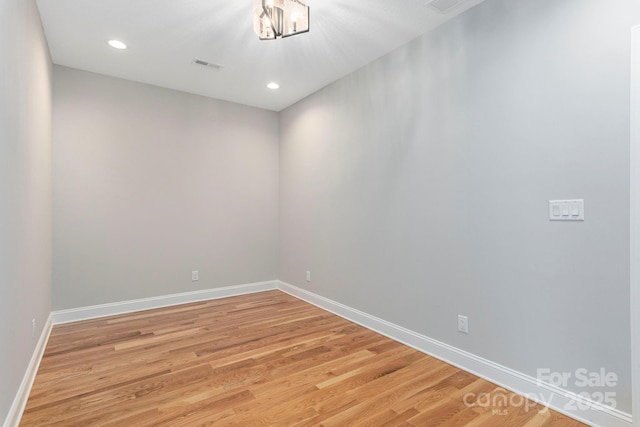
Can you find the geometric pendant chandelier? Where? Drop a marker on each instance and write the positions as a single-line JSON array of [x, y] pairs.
[[276, 19]]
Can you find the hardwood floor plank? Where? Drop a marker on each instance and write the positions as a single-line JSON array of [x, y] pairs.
[[262, 359]]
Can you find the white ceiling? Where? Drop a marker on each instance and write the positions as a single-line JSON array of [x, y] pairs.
[[164, 36]]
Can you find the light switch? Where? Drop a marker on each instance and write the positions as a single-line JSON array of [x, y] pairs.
[[566, 210]]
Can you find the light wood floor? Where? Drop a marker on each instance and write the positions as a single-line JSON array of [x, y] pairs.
[[255, 360]]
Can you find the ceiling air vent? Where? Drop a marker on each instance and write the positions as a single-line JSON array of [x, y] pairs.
[[443, 6], [208, 64]]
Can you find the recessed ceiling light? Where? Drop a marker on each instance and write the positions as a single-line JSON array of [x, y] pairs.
[[117, 44], [273, 85]]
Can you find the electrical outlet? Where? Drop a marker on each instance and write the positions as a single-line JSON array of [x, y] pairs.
[[33, 328], [308, 276], [194, 276], [463, 324]]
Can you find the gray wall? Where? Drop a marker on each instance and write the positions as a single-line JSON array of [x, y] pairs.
[[151, 183], [417, 188], [25, 190]]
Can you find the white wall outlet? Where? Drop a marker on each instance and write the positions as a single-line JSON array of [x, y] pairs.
[[195, 276], [33, 328], [463, 324], [308, 276]]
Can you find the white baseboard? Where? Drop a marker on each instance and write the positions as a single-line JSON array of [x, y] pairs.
[[563, 401], [20, 401], [556, 398], [102, 310]]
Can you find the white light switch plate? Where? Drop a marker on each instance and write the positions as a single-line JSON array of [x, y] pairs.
[[566, 210]]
